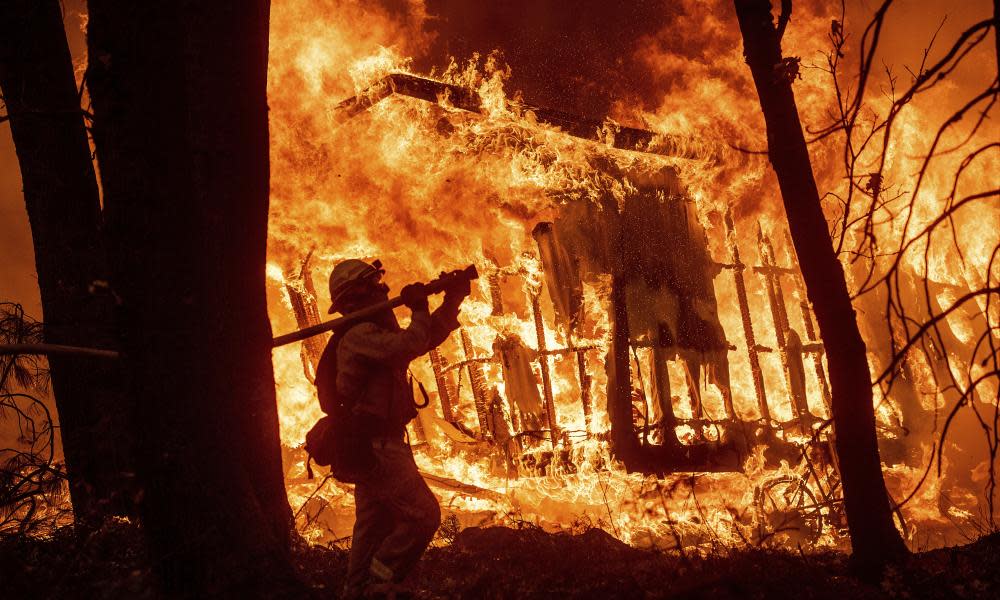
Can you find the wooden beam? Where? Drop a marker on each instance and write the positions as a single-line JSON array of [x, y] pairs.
[[599, 131]]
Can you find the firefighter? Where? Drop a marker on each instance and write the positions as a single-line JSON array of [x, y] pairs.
[[396, 515]]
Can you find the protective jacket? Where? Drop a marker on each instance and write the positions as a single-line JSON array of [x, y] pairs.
[[372, 362]]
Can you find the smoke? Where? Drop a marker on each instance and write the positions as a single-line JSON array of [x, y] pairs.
[[582, 57]]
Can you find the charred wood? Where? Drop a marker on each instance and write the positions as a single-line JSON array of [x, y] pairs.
[[622, 138], [748, 332], [811, 339], [623, 440], [479, 392], [543, 362], [585, 399], [662, 396], [444, 386], [496, 298], [794, 375], [302, 296]]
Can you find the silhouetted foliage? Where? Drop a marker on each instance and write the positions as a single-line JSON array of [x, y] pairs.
[[32, 483]]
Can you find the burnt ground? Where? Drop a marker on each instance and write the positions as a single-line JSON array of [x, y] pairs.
[[525, 563]]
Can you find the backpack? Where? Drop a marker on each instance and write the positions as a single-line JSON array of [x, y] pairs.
[[333, 441]]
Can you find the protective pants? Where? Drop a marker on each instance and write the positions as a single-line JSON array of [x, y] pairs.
[[396, 516]]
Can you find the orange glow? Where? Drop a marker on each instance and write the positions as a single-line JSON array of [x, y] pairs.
[[425, 187]]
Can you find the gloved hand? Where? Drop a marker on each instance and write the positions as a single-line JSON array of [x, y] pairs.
[[414, 297]]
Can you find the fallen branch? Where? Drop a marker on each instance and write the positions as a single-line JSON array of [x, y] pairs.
[[460, 487], [50, 349]]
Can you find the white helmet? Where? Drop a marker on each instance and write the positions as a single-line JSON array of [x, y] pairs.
[[347, 274]]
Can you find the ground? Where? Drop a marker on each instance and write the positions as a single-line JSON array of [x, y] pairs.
[[526, 563]]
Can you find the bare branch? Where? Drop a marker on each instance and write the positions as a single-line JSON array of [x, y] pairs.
[[927, 326]]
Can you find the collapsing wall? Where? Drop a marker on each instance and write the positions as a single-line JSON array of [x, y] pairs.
[[664, 267]]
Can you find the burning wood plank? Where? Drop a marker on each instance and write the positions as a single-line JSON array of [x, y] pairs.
[[791, 362], [662, 398], [302, 296], [478, 383], [496, 298], [543, 362], [444, 387], [562, 275], [519, 381], [811, 337], [748, 334], [584, 378]]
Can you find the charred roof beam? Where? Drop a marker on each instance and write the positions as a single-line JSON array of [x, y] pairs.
[[621, 138]]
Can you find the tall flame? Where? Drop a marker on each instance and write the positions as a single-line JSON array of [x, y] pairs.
[[425, 186]]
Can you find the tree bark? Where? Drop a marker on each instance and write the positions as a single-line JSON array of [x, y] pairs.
[[180, 126], [874, 538], [64, 210]]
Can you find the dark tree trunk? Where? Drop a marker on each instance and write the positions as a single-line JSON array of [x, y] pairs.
[[180, 125], [869, 517], [996, 31], [60, 193]]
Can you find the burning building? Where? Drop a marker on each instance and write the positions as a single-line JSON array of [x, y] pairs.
[[640, 355], [607, 317], [638, 289]]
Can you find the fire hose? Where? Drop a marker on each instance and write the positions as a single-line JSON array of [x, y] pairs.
[[436, 286]]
